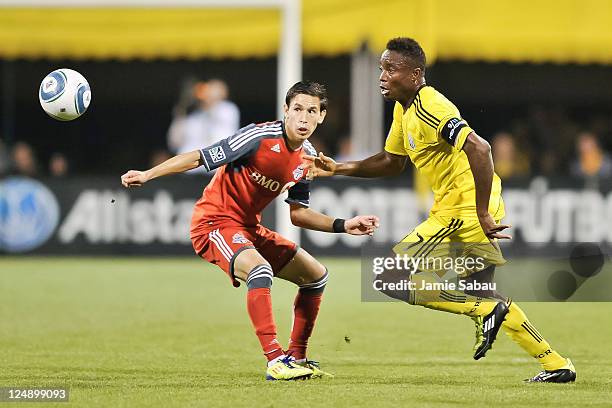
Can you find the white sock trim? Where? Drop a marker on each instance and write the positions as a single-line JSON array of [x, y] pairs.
[[276, 360]]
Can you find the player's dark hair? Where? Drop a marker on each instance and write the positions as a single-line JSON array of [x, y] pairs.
[[410, 49], [308, 88]]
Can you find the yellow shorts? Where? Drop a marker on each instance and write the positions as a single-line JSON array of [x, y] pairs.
[[450, 243]]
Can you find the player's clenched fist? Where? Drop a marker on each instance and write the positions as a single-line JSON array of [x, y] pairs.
[[133, 178], [362, 225]]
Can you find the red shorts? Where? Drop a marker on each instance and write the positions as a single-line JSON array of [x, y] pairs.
[[223, 243]]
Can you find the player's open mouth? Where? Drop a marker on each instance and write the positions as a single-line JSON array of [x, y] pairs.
[[302, 130], [384, 90]]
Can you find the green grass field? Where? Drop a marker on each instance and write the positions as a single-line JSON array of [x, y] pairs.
[[173, 332]]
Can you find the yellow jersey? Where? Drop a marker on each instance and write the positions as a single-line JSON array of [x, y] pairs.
[[432, 133]]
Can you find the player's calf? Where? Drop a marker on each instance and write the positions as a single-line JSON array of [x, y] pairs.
[[483, 278], [259, 306], [305, 311]]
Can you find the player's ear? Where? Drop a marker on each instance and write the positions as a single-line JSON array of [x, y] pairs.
[[416, 73], [285, 110], [321, 116]]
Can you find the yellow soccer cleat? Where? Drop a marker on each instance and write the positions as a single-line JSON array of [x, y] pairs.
[[479, 336], [491, 324], [314, 366], [286, 369]]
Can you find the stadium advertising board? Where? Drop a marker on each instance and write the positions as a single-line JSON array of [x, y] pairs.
[[97, 216]]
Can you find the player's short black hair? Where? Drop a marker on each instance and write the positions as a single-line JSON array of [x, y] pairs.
[[410, 49], [308, 88]]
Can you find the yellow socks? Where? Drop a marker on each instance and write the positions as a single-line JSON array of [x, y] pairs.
[[452, 301], [520, 329]]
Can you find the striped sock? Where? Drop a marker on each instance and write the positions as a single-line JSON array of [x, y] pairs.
[[520, 329], [305, 311], [259, 306]]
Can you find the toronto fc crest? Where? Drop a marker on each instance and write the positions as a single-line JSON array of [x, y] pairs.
[[238, 238], [298, 172]]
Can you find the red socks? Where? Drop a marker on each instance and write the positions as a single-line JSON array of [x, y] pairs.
[[305, 311], [259, 306]]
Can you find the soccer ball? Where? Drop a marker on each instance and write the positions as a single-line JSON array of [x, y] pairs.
[[64, 94]]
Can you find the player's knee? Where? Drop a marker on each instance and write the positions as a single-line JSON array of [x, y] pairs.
[[401, 294], [318, 285], [260, 277], [482, 284], [245, 261]]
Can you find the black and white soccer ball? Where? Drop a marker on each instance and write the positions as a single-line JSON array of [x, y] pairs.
[[64, 94]]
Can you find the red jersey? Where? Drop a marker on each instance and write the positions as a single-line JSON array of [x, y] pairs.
[[255, 166]]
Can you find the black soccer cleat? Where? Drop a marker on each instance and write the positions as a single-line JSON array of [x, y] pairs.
[[490, 326], [563, 375]]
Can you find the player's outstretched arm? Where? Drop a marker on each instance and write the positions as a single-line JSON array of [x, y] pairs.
[[478, 152], [304, 217], [176, 164], [382, 164]]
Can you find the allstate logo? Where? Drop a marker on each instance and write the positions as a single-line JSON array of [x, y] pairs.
[[29, 214]]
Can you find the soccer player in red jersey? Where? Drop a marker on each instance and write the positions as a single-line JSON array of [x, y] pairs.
[[254, 166]]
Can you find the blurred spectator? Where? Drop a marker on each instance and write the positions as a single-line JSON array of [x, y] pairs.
[[213, 119], [4, 159], [187, 101], [159, 156], [591, 161], [552, 137], [508, 161], [58, 165], [346, 152], [24, 161]]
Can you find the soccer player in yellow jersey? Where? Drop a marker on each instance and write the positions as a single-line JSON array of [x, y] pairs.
[[467, 209]]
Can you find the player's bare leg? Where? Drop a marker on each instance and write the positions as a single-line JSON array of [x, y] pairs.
[[302, 269], [252, 268], [310, 276]]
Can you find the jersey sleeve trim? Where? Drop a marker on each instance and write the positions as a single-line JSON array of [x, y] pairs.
[[299, 194], [304, 204], [463, 134], [204, 161]]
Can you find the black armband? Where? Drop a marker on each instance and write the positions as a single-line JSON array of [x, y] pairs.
[[338, 225], [451, 129]]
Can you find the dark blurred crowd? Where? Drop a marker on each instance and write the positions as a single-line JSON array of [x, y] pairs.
[[548, 142], [20, 159], [545, 142]]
